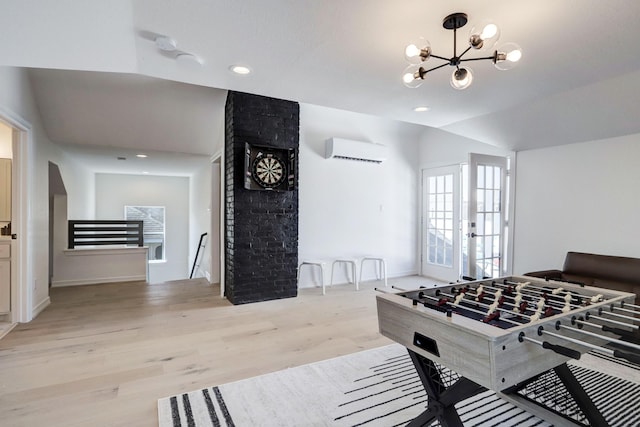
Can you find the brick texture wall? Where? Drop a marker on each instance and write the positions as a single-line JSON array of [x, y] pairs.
[[261, 227]]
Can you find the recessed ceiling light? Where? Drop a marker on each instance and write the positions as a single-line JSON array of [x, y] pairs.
[[421, 109], [145, 173], [240, 69], [142, 156]]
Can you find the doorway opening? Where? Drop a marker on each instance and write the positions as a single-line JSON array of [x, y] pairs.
[[465, 219], [20, 264]]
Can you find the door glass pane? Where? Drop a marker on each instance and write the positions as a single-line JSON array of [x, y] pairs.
[[488, 200], [480, 200], [486, 216], [488, 225], [440, 225], [480, 225]]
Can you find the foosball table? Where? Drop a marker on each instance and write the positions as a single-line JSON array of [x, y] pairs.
[[505, 333]]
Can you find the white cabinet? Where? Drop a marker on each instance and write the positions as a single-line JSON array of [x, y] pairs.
[[5, 277], [5, 190]]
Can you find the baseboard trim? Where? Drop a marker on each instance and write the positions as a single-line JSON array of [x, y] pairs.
[[43, 304], [96, 281]]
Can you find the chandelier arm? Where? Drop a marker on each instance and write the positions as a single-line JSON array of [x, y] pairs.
[[477, 59], [435, 68], [440, 57], [466, 50]]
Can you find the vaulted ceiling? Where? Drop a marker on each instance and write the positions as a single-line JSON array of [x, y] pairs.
[[577, 80]]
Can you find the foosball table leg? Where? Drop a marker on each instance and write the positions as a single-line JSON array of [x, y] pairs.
[[581, 398], [442, 398], [558, 406]]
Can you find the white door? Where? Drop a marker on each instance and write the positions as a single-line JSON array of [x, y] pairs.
[[484, 242], [441, 223]]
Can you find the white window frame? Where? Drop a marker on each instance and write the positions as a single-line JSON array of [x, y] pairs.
[[145, 233]]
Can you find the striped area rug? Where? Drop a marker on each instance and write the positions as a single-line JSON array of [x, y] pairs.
[[378, 387]]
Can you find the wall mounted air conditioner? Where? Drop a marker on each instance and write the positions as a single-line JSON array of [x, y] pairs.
[[355, 150]]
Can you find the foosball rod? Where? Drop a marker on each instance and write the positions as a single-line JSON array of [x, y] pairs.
[[557, 305], [631, 305], [621, 308], [553, 291], [531, 293], [627, 344], [463, 307], [619, 316], [531, 297], [600, 309], [589, 315], [615, 353], [476, 295], [565, 351], [604, 328], [488, 307], [542, 294]]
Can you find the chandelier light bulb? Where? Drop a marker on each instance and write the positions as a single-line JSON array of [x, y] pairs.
[[461, 78], [411, 76], [484, 35], [411, 51], [507, 56], [489, 31], [514, 55], [418, 52]]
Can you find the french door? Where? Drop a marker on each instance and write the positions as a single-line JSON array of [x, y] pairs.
[[441, 223], [484, 239], [464, 222]]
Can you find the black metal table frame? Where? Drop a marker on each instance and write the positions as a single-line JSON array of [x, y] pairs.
[[442, 398]]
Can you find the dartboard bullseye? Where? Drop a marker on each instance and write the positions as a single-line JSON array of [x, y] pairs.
[[268, 171]]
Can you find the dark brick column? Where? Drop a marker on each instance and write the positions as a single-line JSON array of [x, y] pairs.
[[261, 227]]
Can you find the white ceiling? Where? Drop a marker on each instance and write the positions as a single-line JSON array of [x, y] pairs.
[[578, 79]]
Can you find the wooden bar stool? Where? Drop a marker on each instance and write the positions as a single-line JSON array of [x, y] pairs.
[[320, 264], [381, 267], [354, 270]]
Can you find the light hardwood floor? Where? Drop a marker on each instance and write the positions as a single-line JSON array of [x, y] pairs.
[[102, 355]]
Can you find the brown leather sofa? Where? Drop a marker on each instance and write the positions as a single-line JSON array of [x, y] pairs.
[[604, 271]]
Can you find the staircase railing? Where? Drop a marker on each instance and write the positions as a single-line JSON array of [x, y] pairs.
[[105, 232]]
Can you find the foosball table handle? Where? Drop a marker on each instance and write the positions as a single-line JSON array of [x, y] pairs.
[[565, 351], [631, 357], [618, 331]]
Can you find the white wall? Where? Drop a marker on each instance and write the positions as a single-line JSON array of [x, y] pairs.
[[16, 97], [200, 219], [118, 190], [352, 209], [81, 189], [578, 197], [439, 148]]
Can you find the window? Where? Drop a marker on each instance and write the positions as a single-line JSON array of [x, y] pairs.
[[153, 224]]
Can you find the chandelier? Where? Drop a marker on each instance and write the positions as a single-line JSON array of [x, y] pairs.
[[481, 37]]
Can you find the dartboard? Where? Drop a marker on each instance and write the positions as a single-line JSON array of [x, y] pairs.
[[268, 171]]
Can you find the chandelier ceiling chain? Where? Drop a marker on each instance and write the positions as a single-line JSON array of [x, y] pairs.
[[481, 37]]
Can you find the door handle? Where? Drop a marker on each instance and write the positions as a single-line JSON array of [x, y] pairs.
[[14, 236], [472, 235]]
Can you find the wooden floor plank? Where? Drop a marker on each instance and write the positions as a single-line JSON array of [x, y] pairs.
[[102, 355]]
